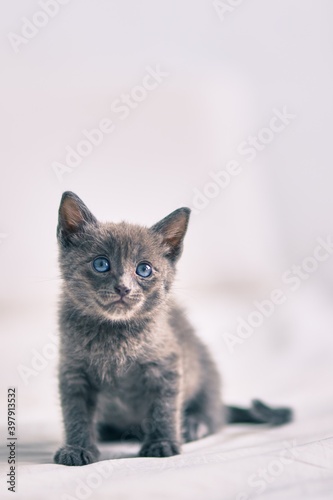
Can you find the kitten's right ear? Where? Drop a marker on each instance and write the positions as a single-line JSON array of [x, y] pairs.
[[172, 229], [73, 217]]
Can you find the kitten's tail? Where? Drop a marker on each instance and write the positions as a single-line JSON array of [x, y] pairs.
[[259, 413]]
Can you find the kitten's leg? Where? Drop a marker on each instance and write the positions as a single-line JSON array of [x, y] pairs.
[[191, 427], [205, 409], [163, 426], [78, 401]]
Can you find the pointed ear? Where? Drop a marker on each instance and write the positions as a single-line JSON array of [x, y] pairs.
[[73, 217], [173, 229]]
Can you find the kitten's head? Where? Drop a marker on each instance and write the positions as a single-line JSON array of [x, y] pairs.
[[117, 271]]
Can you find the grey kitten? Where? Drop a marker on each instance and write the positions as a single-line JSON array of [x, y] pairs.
[[130, 362]]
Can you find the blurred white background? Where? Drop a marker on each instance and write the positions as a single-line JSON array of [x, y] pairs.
[[225, 78]]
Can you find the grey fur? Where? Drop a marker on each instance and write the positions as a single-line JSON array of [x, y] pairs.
[[134, 368]]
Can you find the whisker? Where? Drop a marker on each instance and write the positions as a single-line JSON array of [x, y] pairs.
[[41, 280]]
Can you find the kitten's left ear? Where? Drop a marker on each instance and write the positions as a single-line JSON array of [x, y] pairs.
[[173, 229], [73, 217]]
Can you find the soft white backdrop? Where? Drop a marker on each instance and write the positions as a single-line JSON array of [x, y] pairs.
[[224, 80], [225, 77]]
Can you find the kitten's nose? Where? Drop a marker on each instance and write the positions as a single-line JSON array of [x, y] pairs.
[[122, 290]]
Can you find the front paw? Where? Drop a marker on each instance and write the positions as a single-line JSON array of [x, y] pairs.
[[76, 455], [163, 448]]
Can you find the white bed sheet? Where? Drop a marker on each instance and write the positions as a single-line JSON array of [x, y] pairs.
[[241, 462]]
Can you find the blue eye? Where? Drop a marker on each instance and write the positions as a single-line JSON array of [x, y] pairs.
[[101, 264], [144, 270]]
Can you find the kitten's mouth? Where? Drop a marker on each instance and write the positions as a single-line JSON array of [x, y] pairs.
[[120, 306], [120, 301]]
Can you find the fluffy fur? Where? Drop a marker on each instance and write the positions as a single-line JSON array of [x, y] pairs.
[[130, 362]]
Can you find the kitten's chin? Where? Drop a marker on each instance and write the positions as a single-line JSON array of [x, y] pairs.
[[124, 315]]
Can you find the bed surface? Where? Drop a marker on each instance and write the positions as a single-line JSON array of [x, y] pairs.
[[287, 361]]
